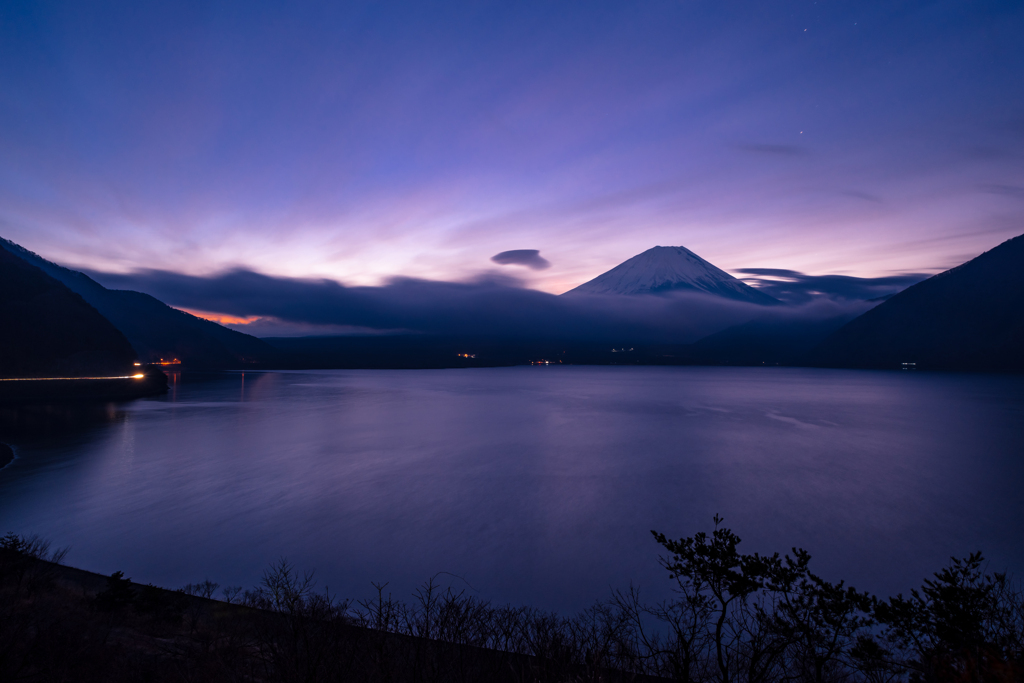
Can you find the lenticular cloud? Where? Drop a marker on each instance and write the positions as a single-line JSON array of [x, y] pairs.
[[530, 258]]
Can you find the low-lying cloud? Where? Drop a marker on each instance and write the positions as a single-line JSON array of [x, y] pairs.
[[492, 307], [794, 287], [530, 258], [495, 306]]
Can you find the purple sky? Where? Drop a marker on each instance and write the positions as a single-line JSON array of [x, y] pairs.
[[361, 140]]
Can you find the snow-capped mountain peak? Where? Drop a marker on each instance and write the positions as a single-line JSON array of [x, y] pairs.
[[669, 269]]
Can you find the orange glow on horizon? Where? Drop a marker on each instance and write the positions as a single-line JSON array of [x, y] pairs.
[[221, 318]]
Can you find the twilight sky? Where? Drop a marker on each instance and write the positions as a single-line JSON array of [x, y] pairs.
[[361, 140]]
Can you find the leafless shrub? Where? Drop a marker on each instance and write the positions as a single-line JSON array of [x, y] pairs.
[[204, 589]]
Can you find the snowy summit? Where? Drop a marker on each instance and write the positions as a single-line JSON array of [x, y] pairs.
[[671, 269]]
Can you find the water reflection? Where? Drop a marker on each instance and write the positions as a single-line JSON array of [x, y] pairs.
[[19, 422], [539, 485]]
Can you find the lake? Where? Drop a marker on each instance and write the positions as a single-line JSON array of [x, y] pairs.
[[530, 485]]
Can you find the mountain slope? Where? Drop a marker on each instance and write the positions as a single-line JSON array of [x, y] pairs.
[[967, 318], [670, 269], [46, 330], [155, 329]]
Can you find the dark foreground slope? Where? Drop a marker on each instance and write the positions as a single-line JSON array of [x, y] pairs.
[[967, 318], [155, 329], [779, 623], [46, 330], [65, 624]]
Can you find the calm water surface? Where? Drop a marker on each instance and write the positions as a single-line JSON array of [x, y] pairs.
[[537, 485]]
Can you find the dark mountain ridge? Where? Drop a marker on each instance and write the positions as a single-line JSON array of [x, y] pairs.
[[47, 330], [967, 318], [154, 329]]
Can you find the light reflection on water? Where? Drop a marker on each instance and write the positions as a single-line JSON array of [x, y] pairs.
[[539, 485]]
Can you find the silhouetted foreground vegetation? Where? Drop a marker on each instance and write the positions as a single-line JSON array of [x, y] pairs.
[[735, 617]]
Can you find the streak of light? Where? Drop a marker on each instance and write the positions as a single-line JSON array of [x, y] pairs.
[[51, 379]]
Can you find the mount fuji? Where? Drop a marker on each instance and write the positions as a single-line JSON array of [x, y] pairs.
[[671, 269]]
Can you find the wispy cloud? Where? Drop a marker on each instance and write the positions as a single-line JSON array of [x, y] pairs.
[[1015, 191], [864, 196], [371, 139], [778, 150]]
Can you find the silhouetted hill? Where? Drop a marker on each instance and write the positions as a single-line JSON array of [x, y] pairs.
[[47, 330], [769, 341], [967, 318], [155, 329]]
